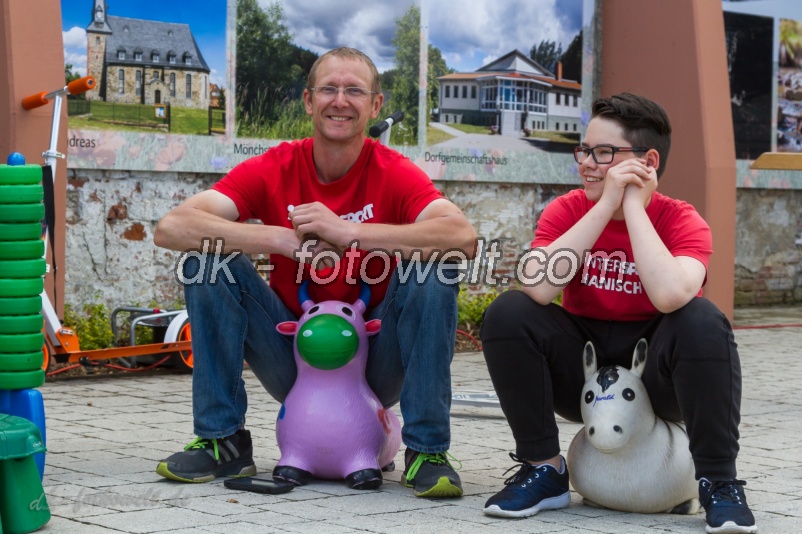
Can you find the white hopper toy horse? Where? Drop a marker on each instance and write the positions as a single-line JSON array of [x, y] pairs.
[[626, 458]]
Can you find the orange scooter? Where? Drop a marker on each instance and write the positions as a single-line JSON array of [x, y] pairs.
[[62, 341]]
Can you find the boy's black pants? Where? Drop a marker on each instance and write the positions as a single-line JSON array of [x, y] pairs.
[[693, 373]]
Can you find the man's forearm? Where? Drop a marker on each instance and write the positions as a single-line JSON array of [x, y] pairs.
[[186, 229], [419, 240]]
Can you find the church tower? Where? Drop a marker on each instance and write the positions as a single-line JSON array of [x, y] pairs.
[[97, 32]]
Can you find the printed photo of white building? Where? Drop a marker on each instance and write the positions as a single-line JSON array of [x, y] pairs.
[[512, 94]]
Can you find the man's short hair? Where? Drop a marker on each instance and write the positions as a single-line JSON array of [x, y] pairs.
[[644, 121], [346, 53]]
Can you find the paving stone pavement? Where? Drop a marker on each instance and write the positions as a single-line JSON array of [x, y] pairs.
[[106, 435]]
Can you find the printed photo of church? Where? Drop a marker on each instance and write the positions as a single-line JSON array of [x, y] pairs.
[[149, 62]]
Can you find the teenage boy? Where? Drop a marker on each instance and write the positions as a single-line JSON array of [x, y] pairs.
[[641, 260]]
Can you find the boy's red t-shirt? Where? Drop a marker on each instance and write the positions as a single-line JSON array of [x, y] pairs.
[[611, 289], [382, 187]]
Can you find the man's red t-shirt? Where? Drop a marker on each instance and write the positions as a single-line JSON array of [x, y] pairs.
[[382, 187], [607, 284]]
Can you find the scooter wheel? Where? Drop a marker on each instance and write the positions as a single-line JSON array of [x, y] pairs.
[[183, 359], [45, 357]]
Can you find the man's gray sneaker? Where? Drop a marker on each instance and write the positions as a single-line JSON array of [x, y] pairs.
[[205, 459]]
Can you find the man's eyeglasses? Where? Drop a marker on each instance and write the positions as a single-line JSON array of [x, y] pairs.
[[329, 92], [603, 154]]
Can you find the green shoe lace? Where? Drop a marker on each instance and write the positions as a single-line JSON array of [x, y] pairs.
[[202, 443], [437, 458]]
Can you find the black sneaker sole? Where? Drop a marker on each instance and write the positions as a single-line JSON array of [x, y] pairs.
[[229, 469]]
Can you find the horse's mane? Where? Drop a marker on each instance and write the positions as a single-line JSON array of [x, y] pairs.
[[607, 376]]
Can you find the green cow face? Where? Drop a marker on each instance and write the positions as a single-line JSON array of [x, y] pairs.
[[327, 342]]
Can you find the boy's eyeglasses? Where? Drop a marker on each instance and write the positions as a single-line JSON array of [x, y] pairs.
[[603, 154], [329, 92]]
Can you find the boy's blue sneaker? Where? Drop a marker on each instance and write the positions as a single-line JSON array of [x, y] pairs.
[[725, 507], [530, 490]]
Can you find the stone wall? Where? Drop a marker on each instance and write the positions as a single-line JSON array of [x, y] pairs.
[[768, 253], [111, 216]]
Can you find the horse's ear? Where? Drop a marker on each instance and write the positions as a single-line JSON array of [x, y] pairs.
[[639, 357], [589, 360]]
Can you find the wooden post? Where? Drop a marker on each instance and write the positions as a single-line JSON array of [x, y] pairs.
[[32, 60], [674, 53]]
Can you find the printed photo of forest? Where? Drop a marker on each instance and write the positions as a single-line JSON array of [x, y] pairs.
[[277, 43]]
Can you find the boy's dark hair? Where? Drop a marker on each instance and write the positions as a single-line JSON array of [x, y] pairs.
[[644, 121]]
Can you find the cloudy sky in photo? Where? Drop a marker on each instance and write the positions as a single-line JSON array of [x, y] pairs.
[[206, 19], [469, 33]]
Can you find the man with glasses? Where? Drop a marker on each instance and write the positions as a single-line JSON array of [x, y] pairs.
[[323, 202], [633, 263]]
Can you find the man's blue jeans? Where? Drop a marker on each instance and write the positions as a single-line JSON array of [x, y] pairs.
[[234, 319]]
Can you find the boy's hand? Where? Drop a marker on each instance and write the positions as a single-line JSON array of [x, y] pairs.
[[629, 174], [640, 195]]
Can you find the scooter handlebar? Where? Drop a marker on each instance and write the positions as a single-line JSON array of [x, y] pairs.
[[74, 87], [81, 85], [377, 129], [34, 101]]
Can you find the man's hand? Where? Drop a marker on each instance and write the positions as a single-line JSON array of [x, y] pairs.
[[315, 220], [318, 253]]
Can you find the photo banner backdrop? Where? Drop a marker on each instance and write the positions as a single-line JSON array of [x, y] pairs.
[[764, 53], [503, 96], [202, 87]]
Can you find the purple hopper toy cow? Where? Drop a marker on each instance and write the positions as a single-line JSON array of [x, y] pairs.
[[332, 425]]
